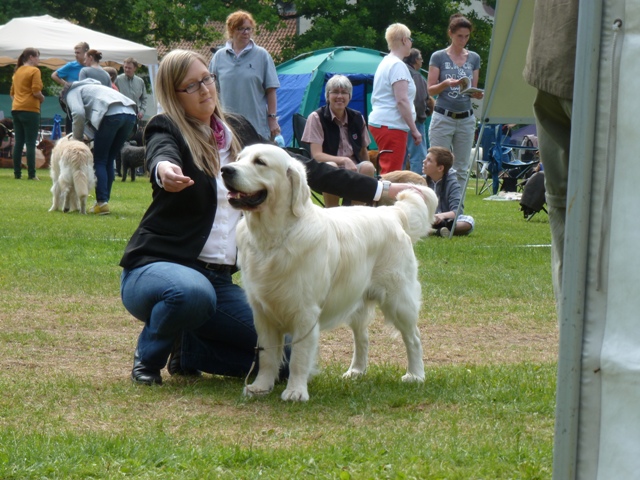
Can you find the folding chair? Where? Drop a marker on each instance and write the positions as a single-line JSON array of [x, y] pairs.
[[300, 147], [299, 122], [503, 164]]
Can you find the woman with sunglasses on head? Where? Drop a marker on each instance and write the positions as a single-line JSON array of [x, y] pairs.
[[453, 122], [178, 265], [392, 116], [247, 77]]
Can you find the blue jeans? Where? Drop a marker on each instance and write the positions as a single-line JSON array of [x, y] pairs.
[[108, 141], [417, 153], [205, 307], [25, 128]]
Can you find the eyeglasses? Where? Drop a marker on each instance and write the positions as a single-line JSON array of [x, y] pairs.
[[410, 39], [195, 86], [244, 30], [340, 92]]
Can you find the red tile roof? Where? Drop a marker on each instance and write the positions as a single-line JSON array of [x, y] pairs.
[[271, 41]]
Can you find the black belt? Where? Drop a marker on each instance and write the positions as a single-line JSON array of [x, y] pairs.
[[217, 267], [454, 115]]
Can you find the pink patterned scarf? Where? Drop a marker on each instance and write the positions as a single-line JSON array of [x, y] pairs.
[[218, 132]]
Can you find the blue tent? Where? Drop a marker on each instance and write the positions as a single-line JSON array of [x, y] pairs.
[[303, 79]]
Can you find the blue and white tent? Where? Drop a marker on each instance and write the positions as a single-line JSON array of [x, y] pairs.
[[302, 81]]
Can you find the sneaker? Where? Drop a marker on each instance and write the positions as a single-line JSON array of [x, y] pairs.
[[34, 178], [100, 209], [444, 232]]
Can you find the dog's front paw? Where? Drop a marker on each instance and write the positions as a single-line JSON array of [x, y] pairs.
[[299, 394], [352, 373], [410, 377], [254, 390]]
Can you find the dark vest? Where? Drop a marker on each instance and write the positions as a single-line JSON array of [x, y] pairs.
[[331, 130]]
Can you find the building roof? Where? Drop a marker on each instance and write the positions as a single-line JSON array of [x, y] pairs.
[[270, 41]]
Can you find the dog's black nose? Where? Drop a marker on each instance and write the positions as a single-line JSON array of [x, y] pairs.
[[228, 171]]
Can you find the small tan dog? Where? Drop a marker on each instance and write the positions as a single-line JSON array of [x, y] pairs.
[[72, 175], [401, 176]]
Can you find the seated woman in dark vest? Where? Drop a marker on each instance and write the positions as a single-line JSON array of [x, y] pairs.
[[338, 135]]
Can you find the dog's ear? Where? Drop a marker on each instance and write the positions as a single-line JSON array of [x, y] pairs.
[[299, 189]]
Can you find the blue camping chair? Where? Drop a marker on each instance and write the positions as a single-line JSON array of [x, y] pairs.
[[503, 164]]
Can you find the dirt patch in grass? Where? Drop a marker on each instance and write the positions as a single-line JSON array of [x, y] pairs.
[[64, 335]]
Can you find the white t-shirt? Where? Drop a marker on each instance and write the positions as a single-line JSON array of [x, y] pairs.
[[384, 108]]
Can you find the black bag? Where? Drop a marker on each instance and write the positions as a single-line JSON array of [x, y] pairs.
[[533, 196]]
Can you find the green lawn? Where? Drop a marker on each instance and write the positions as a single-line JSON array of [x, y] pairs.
[[69, 410]]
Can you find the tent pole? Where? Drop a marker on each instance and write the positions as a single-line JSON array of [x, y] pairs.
[[486, 108], [571, 308]]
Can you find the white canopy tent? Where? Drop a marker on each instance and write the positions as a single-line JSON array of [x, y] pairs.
[[597, 433], [55, 39]]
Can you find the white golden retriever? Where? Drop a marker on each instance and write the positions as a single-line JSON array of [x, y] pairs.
[[72, 175], [305, 268]]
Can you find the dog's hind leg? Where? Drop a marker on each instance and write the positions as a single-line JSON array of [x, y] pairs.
[[402, 309], [359, 324], [65, 200], [83, 204], [81, 190], [55, 191]]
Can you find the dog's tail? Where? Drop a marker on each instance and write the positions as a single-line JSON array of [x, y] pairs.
[[419, 211]]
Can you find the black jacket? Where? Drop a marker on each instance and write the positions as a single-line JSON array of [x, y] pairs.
[[176, 226]]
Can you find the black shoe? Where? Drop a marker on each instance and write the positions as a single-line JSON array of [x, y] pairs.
[[174, 367], [142, 374]]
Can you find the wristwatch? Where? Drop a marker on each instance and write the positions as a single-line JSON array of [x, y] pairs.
[[271, 115], [386, 184]]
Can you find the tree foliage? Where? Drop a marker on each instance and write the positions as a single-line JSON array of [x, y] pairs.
[[363, 23], [360, 23], [150, 22]]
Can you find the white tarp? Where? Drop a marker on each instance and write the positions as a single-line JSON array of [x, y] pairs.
[[55, 38], [603, 188], [597, 434]]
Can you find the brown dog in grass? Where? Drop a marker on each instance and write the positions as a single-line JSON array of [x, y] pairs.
[[46, 147]]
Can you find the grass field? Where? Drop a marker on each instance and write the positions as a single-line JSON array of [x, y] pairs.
[[68, 409]]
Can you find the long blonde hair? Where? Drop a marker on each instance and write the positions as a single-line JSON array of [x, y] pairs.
[[199, 137]]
